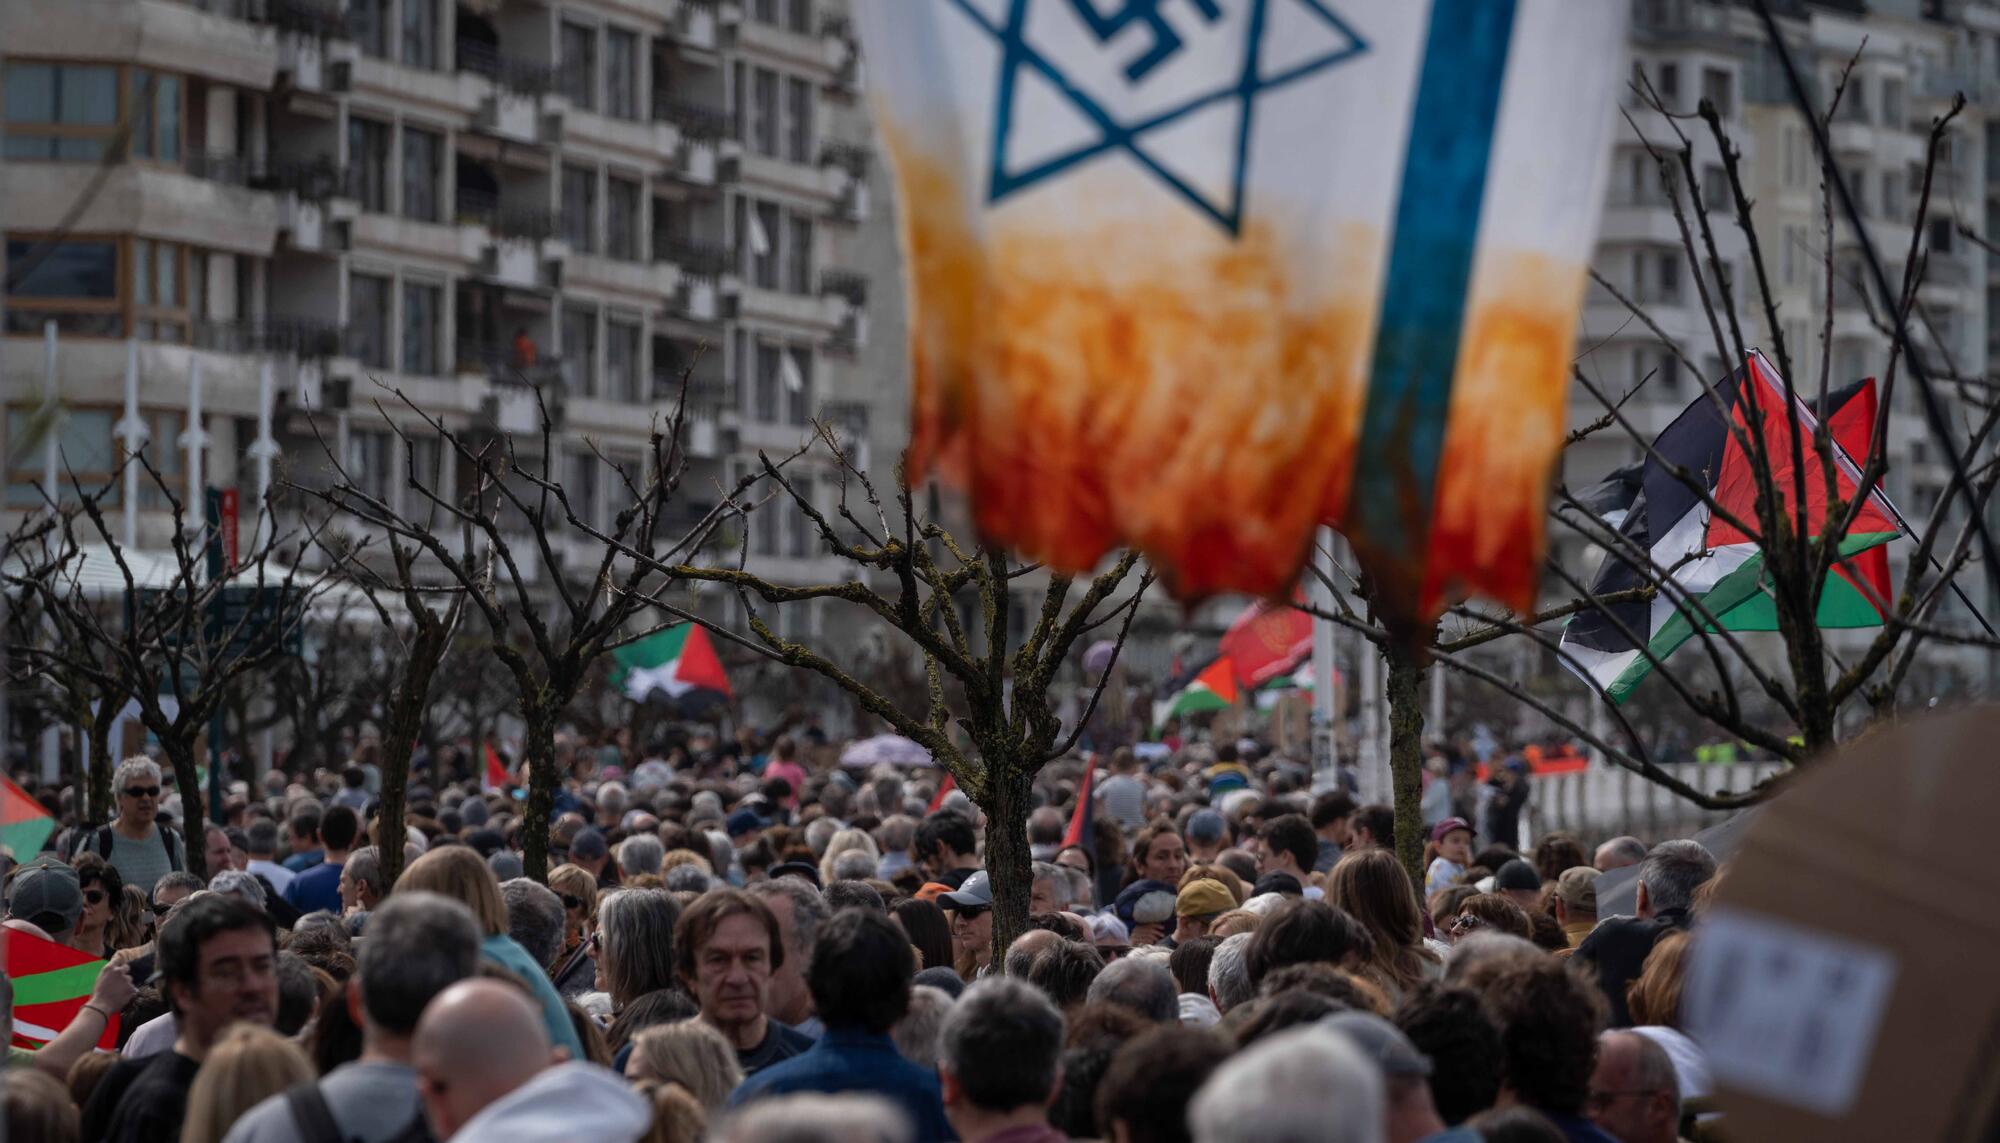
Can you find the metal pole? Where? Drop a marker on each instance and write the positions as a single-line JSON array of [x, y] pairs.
[[263, 450], [132, 431], [194, 440], [1372, 760], [1325, 745], [52, 444]]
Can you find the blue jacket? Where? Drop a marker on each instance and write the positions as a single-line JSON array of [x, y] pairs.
[[849, 1059], [316, 890]]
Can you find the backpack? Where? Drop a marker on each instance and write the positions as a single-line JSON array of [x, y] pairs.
[[170, 837], [314, 1119]]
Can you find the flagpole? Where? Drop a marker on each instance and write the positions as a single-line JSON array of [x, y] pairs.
[[1325, 745]]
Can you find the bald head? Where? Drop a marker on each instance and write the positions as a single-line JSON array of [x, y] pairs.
[[479, 1040], [1024, 948]]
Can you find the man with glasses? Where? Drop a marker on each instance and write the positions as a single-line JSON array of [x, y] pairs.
[[218, 966], [137, 843], [1634, 1094]]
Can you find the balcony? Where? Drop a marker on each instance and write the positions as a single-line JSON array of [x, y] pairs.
[[704, 260], [498, 361], [514, 73], [475, 207], [697, 120], [292, 336], [845, 284]]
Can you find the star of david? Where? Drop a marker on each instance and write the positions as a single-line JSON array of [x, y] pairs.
[[1162, 41]]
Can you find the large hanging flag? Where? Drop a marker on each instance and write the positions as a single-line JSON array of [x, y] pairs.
[[677, 662], [24, 824], [1711, 560], [1212, 689], [1197, 276], [51, 983], [1267, 641]]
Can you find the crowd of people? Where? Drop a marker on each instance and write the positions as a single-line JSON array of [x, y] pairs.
[[759, 946]]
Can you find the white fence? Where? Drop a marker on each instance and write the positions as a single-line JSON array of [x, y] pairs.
[[1607, 801]]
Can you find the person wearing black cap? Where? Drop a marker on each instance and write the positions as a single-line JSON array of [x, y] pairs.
[[46, 894], [1518, 882]]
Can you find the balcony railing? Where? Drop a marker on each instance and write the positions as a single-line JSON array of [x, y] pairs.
[[846, 284], [850, 157], [499, 361], [696, 120], [696, 259], [300, 336], [515, 73]]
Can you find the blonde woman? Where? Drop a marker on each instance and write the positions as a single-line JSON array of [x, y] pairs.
[[690, 1053], [577, 890], [677, 1116], [248, 1064]]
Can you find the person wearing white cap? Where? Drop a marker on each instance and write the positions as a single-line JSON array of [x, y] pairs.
[[971, 909]]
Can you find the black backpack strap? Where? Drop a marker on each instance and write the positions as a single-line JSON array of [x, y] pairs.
[[176, 850], [104, 842], [311, 1115]]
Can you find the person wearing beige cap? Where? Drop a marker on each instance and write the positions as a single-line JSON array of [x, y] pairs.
[[1576, 904], [1197, 906]]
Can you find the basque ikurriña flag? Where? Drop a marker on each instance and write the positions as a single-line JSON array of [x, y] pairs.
[[51, 983], [1706, 557], [1197, 276]]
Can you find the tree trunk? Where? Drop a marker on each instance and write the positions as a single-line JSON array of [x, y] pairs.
[[194, 809], [1406, 755], [98, 775], [538, 753], [1009, 861]]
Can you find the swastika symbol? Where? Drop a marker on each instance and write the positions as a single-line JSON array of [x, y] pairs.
[[1165, 40]]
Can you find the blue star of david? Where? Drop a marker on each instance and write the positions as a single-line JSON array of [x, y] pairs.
[[1163, 41]]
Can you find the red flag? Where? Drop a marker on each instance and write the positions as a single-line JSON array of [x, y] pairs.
[[1079, 820], [945, 787], [1266, 641], [51, 984], [496, 774]]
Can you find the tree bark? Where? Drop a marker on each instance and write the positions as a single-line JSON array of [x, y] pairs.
[[1406, 755], [194, 808], [97, 776], [538, 753], [1009, 861]]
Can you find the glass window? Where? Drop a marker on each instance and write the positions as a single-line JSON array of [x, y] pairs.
[[580, 486], [799, 255], [368, 23], [164, 451], [420, 21], [621, 74], [799, 538], [167, 117], [66, 270], [368, 460], [579, 347], [420, 329], [84, 444], [621, 361], [799, 384], [421, 150], [768, 368], [579, 208], [798, 120], [368, 319], [798, 16], [1718, 87], [621, 238], [142, 271], [764, 112], [60, 111], [579, 54], [368, 163]]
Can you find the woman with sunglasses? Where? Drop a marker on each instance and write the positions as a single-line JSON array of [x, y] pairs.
[[575, 968], [103, 891]]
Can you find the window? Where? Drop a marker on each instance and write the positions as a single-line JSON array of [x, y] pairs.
[[1942, 238], [1795, 253], [368, 461], [1658, 275], [368, 301], [580, 486], [1892, 103], [60, 111], [368, 163], [800, 534], [426, 468], [1658, 369], [420, 22], [156, 115], [621, 74], [1857, 185], [1795, 156], [579, 208], [621, 229], [1853, 102], [1669, 84], [1895, 199], [368, 23], [165, 452], [764, 231], [84, 444], [621, 361], [765, 11], [797, 376], [420, 329], [798, 16], [73, 283], [159, 303], [579, 54], [579, 347], [1715, 188], [1718, 87], [765, 396], [798, 120], [421, 153], [799, 255], [764, 112]]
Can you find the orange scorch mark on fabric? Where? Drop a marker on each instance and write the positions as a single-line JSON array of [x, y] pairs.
[[1505, 432], [1099, 389]]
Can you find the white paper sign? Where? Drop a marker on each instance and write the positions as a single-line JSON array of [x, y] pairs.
[[1784, 1011]]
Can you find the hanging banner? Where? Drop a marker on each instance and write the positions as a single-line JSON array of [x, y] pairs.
[[1198, 275]]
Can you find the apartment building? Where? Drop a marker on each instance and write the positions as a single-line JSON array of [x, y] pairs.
[[481, 204]]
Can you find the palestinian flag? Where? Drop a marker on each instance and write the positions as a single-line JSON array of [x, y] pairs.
[[1710, 559], [679, 663], [495, 775], [51, 984], [1079, 831], [1213, 689], [24, 824]]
